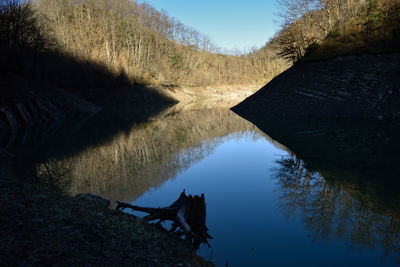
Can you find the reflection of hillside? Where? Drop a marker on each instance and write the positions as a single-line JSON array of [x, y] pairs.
[[355, 195], [363, 154], [149, 154], [328, 209]]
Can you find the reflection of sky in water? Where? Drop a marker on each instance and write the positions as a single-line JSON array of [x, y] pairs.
[[237, 180]]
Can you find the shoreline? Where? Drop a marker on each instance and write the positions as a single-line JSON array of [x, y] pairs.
[[42, 225]]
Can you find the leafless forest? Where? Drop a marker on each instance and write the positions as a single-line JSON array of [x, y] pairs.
[[148, 44], [144, 44], [337, 27]]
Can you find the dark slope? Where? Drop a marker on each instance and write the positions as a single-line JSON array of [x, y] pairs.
[[362, 87]]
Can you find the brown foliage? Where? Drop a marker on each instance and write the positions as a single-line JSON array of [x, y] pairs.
[[146, 44]]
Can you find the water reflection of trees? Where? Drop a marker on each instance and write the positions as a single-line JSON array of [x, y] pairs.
[[329, 210], [148, 155]]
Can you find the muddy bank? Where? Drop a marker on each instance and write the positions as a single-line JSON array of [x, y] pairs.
[[365, 87]]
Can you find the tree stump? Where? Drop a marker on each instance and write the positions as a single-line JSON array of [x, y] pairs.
[[187, 213]]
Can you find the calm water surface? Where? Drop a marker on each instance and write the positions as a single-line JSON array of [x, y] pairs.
[[265, 206], [252, 217]]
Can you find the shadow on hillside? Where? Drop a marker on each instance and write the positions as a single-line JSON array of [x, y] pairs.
[[32, 60], [37, 77], [122, 101], [42, 71]]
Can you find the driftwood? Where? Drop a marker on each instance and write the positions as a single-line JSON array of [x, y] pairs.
[[187, 212]]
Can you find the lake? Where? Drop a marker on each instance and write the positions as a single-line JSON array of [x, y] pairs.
[[273, 197]]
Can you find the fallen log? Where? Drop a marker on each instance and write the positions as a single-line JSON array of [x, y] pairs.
[[187, 212]]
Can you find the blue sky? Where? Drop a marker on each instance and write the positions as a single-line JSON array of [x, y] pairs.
[[230, 24]]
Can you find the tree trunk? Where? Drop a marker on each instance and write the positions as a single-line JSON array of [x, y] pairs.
[[187, 212]]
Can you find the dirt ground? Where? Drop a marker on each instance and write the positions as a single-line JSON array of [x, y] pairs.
[[40, 225]]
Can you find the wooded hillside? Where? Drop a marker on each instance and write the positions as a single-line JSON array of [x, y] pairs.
[[147, 44], [92, 44], [325, 28]]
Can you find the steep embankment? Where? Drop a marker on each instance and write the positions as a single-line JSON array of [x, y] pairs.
[[344, 87]]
